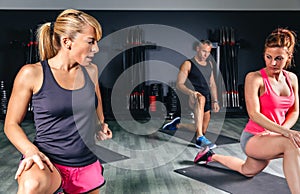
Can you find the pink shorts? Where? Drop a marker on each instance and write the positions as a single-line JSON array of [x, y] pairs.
[[81, 179]]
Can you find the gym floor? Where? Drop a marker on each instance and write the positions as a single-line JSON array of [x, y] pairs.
[[150, 166]]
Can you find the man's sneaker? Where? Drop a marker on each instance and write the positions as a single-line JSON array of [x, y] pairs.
[[204, 155], [203, 141], [172, 124]]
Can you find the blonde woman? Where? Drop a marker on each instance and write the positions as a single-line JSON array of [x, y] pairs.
[[67, 105]]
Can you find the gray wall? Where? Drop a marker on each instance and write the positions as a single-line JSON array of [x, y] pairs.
[[251, 26], [153, 4], [253, 20]]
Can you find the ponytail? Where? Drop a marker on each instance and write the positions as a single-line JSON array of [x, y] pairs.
[[45, 37]]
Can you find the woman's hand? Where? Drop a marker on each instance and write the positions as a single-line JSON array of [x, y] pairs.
[[31, 158], [104, 132], [294, 136]]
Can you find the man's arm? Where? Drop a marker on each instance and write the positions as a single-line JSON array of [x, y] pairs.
[[213, 88], [182, 77]]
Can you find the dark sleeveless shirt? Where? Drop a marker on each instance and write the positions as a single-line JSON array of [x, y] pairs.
[[65, 120], [199, 76]]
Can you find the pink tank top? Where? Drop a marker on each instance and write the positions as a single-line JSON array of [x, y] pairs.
[[272, 106]]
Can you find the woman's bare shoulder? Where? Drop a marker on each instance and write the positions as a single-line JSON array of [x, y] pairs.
[[292, 75], [31, 69], [253, 75], [29, 75]]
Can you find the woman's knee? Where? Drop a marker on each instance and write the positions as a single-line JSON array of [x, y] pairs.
[[252, 167], [32, 185], [290, 148], [249, 174], [36, 182]]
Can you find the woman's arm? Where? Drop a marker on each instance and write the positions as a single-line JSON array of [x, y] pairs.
[[104, 132], [27, 81], [17, 108]]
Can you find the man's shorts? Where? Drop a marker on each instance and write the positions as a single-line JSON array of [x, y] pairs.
[[207, 106], [81, 179]]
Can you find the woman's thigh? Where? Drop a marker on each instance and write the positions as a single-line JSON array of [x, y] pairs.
[[267, 146]]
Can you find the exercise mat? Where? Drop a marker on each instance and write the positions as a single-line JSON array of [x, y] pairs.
[[230, 181], [106, 155], [189, 135]]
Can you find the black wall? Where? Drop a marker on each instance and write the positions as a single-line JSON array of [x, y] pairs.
[[251, 27]]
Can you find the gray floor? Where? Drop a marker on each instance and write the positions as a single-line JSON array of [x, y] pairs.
[[153, 157]]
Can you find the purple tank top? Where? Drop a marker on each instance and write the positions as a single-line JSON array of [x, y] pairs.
[[65, 120]]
